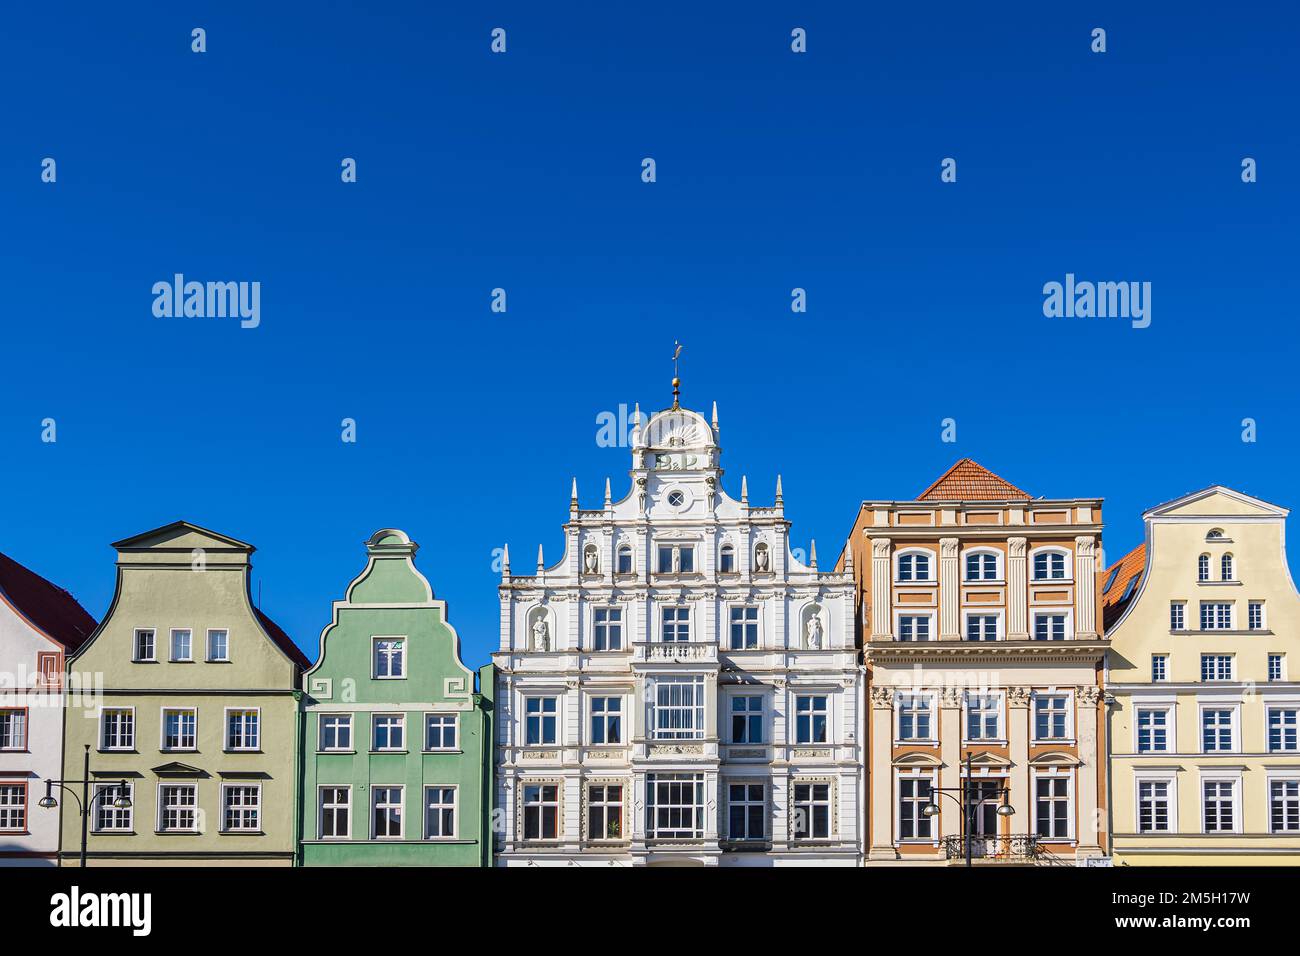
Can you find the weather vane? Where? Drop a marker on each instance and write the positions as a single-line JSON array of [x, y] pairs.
[[677, 351]]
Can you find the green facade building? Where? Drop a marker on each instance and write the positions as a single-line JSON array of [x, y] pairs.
[[398, 766]]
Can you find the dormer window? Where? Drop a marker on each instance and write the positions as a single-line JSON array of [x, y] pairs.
[[625, 559], [1110, 580], [914, 566], [727, 559], [1225, 567], [1203, 568]]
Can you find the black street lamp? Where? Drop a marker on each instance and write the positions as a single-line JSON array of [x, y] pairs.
[[968, 805], [85, 802]]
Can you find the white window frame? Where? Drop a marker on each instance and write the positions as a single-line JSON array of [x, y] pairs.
[[746, 802], [1000, 633], [930, 700], [832, 821], [599, 627], [622, 804], [542, 804], [1269, 707], [931, 566], [1287, 776], [442, 717], [103, 714], [541, 715], [928, 616], [401, 810], [257, 716], [22, 808], [171, 645], [915, 774], [135, 646], [1234, 779], [745, 624], [231, 785], [374, 733], [1218, 656], [375, 641], [1179, 606], [1170, 710], [999, 574], [812, 713], [1067, 564], [1234, 726], [1067, 626], [1034, 698], [207, 645], [1280, 657], [162, 729], [747, 714], [1203, 567], [1250, 614], [455, 811], [1000, 697], [162, 808], [1164, 667], [321, 808], [631, 559], [678, 621], [99, 803], [697, 708], [604, 718], [1053, 773], [320, 733], [1170, 779], [1232, 613]]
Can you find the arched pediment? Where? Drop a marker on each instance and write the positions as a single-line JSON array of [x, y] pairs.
[[918, 759], [1055, 758], [986, 759]]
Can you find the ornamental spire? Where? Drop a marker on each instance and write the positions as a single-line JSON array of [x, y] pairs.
[[541, 563], [677, 382]]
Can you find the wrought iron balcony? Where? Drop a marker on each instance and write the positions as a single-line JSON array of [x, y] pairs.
[[1021, 848]]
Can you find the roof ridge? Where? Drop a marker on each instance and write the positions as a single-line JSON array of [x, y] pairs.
[[982, 474]]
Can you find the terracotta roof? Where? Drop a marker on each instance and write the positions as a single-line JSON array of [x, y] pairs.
[[48, 607], [969, 480], [282, 640], [1119, 594]]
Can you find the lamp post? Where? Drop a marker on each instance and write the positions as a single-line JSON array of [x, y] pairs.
[[85, 802], [968, 805]]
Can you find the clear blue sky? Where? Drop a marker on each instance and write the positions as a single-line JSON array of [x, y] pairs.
[[523, 171]]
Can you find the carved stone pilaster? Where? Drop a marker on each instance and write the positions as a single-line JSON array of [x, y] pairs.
[[949, 589], [1017, 590], [882, 625], [1085, 588]]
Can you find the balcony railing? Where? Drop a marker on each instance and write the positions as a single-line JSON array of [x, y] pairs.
[[679, 651], [1012, 848]]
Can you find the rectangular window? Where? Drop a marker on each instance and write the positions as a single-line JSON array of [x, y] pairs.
[[605, 811], [13, 807], [1153, 806], [676, 559], [983, 717], [913, 797], [665, 565], [440, 732], [1216, 729], [1255, 615], [677, 708], [811, 718], [117, 729], [1216, 667], [747, 719], [390, 658], [182, 644], [335, 731], [1276, 667], [540, 720], [1051, 717], [747, 811], [914, 717], [1282, 730], [1159, 667], [335, 813], [106, 818], [676, 624], [13, 728], [439, 813], [981, 566], [1049, 627], [812, 811], [1052, 807], [389, 732], [744, 628], [386, 803], [606, 720], [1216, 616], [1284, 806], [180, 729], [178, 805], [1152, 730], [1177, 615], [675, 806], [727, 561], [914, 627], [243, 730], [1049, 566], [146, 647], [541, 811], [218, 645], [914, 567], [607, 632], [1219, 806], [686, 559], [241, 808], [981, 627], [624, 560]]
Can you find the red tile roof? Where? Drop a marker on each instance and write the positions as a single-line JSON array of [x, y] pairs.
[[971, 481], [1118, 595], [48, 607], [282, 640]]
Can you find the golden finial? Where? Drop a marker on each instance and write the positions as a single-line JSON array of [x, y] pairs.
[[677, 382]]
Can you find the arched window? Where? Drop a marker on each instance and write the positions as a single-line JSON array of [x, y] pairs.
[[1050, 564], [727, 559], [915, 566], [982, 566], [1203, 568], [1214, 535], [624, 559], [1225, 567]]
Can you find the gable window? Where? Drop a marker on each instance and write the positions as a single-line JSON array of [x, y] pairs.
[[106, 818], [1216, 616], [914, 566], [1203, 568], [1216, 667], [241, 808], [242, 729], [1282, 730], [915, 717], [624, 561], [440, 732], [606, 720], [981, 566], [335, 813], [1159, 667], [1177, 615], [387, 812], [179, 730], [1216, 729], [1051, 716], [218, 645], [983, 717], [727, 559], [981, 627], [439, 813], [914, 627], [178, 805], [390, 658], [1255, 615], [1052, 806], [1049, 627], [389, 732], [1284, 806], [747, 719], [1153, 806], [1049, 566], [746, 811], [13, 728], [676, 624], [335, 731], [145, 645], [1225, 567], [744, 628], [182, 644], [540, 719], [913, 797], [605, 811], [541, 811], [1276, 667], [607, 629], [1219, 801], [117, 728], [811, 717], [677, 708], [674, 805], [812, 811], [1152, 730]]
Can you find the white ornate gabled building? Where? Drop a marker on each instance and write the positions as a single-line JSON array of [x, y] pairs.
[[678, 688]]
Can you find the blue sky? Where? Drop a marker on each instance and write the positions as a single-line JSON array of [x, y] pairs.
[[522, 171]]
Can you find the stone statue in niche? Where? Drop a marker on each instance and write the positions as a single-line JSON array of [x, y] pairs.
[[813, 630], [541, 634], [591, 561], [760, 558]]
